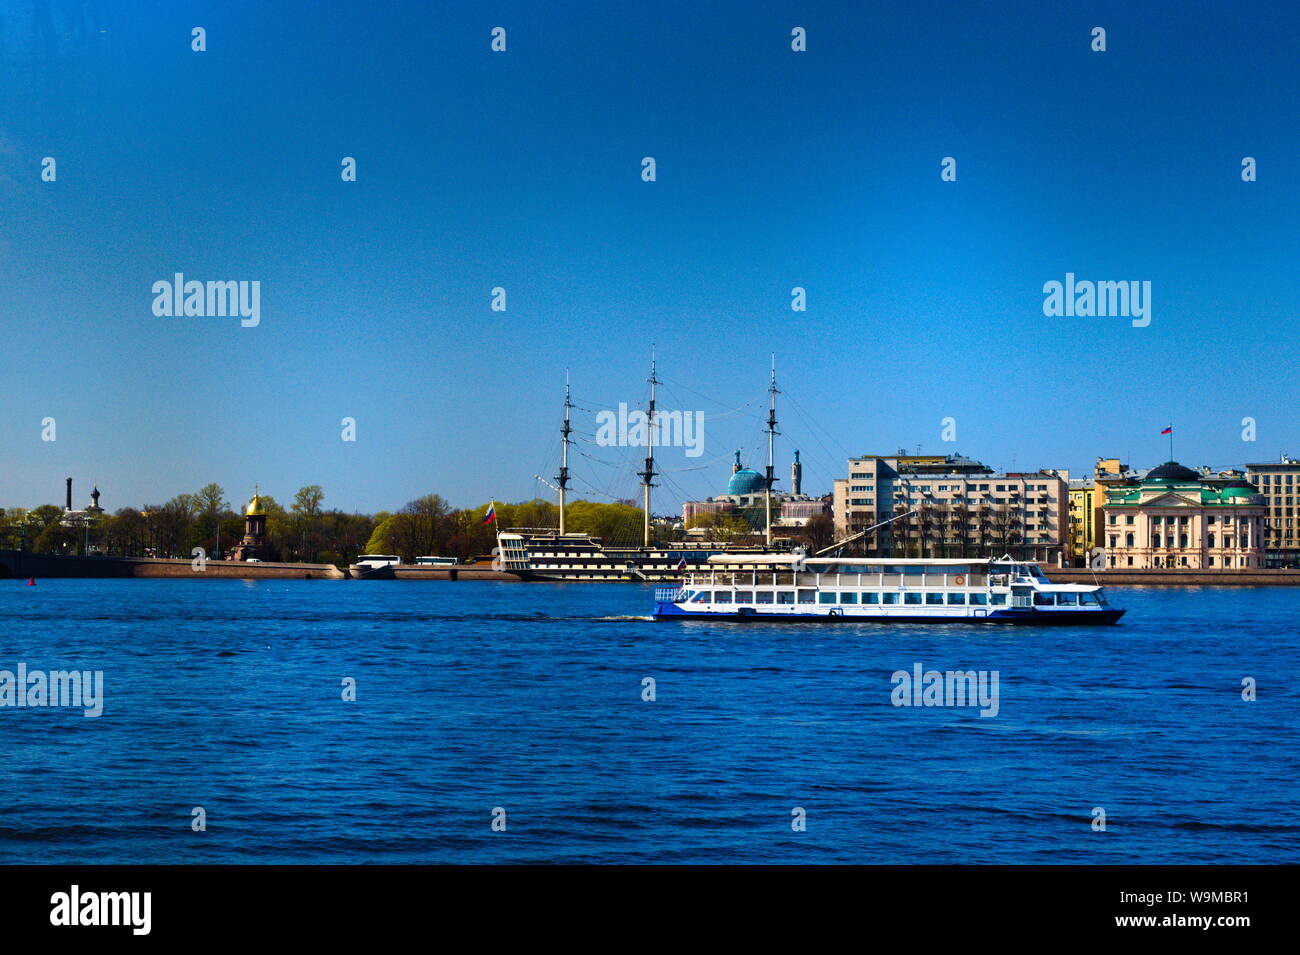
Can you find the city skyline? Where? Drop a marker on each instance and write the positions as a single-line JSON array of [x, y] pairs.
[[522, 170], [237, 500]]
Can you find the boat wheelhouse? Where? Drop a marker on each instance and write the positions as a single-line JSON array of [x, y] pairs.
[[988, 590]]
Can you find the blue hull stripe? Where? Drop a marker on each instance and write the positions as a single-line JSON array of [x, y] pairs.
[[1039, 618]]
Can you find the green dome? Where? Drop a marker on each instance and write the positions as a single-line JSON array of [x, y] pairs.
[[745, 481]]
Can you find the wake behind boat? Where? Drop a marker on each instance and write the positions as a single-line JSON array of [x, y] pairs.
[[778, 587]]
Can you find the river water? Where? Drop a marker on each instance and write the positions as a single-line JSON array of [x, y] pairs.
[[524, 703]]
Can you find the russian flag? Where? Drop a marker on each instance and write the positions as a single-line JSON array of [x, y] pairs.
[[491, 514], [1168, 430], [681, 564]]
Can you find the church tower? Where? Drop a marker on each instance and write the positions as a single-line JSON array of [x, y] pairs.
[[254, 546]]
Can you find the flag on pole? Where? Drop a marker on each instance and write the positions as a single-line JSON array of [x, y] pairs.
[[1168, 430], [681, 564], [491, 514]]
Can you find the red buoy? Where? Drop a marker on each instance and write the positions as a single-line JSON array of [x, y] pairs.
[[31, 581]]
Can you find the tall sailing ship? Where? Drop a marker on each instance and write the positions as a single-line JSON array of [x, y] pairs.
[[556, 554]]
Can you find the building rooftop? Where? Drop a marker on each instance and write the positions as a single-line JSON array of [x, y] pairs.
[[1285, 464], [1172, 471]]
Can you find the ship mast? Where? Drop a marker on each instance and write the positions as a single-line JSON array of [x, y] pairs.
[[647, 476], [562, 479], [771, 447]]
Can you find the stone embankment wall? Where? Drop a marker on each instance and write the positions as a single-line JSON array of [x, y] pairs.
[[417, 572], [1175, 577], [23, 564]]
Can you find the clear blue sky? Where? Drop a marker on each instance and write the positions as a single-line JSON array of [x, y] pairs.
[[775, 169]]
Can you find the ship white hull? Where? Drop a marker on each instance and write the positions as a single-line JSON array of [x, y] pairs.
[[812, 612]]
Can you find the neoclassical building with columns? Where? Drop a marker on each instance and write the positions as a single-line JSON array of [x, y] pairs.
[[1177, 517]]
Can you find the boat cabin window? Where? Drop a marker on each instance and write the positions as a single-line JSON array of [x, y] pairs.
[[871, 597], [826, 597], [980, 599], [848, 597], [785, 597], [932, 599], [722, 597], [997, 598], [807, 596], [701, 597], [744, 596], [911, 597], [889, 598], [764, 597], [1067, 600], [909, 570], [1044, 600], [956, 598], [1032, 571]]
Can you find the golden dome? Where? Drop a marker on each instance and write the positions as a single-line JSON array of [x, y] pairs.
[[255, 505]]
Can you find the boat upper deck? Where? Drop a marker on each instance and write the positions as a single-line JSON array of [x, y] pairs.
[[802, 561], [877, 573]]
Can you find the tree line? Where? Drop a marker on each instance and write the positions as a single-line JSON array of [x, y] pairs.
[[943, 530], [309, 532], [305, 531]]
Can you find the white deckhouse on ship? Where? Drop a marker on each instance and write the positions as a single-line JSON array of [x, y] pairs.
[[910, 590]]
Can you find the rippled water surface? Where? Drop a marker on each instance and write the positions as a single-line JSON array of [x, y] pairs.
[[472, 696]]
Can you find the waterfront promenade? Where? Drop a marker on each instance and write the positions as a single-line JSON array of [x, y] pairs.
[[1176, 577]]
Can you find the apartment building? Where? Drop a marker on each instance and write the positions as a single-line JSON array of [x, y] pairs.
[[1279, 483], [950, 506]]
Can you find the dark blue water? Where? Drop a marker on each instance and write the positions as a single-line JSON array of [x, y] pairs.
[[471, 696]]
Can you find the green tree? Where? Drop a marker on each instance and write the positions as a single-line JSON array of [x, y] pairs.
[[819, 532], [308, 500], [57, 539], [381, 538], [721, 526], [211, 499], [306, 522]]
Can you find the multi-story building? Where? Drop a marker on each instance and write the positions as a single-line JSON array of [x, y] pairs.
[[1279, 482], [950, 506], [1176, 517], [1087, 498], [1083, 522]]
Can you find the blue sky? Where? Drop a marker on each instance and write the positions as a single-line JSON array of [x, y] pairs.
[[521, 169]]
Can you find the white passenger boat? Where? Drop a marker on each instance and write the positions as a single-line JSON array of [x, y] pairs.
[[793, 587]]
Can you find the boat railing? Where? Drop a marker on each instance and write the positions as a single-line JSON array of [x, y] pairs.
[[667, 595]]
